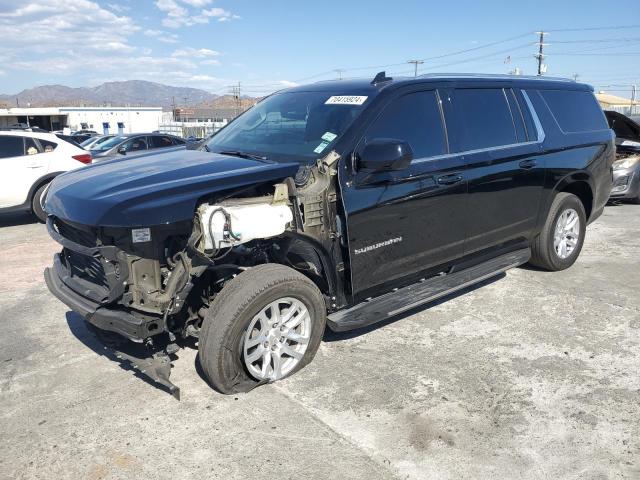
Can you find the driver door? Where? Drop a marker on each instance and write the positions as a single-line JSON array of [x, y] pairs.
[[404, 224]]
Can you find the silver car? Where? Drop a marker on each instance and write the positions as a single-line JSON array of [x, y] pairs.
[[626, 168], [135, 143]]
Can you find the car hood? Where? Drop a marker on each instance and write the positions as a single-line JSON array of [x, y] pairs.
[[153, 190]]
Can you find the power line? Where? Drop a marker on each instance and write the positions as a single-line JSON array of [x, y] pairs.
[[590, 29]]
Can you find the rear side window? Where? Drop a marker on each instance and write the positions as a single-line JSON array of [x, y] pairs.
[[484, 118], [178, 141], [11, 146], [575, 111], [160, 142], [31, 147], [48, 146], [414, 118]]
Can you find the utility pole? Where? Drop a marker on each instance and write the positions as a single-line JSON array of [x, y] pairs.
[[575, 77], [540, 56], [415, 64], [633, 99], [236, 92], [339, 71]]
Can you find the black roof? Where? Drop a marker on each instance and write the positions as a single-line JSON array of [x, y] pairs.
[[365, 87]]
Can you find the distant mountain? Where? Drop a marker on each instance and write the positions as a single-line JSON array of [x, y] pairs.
[[131, 92]]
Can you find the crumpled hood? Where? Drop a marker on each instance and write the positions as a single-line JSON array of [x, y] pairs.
[[153, 190]]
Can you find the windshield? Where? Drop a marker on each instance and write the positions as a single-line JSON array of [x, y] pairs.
[[110, 143], [288, 126]]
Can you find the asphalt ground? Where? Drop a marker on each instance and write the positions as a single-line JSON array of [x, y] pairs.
[[534, 375]]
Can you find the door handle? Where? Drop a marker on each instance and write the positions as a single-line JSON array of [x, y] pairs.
[[527, 164], [449, 179], [33, 165]]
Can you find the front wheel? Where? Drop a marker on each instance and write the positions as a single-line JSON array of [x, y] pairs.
[[265, 324], [560, 242]]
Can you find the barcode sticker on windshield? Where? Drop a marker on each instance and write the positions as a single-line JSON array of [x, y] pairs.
[[346, 100]]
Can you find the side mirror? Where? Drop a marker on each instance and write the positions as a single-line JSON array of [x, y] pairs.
[[122, 150], [384, 155]]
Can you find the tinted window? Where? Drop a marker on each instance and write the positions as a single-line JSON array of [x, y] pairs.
[[11, 146], [484, 119], [160, 142], [414, 118], [30, 146], [135, 144], [575, 111], [48, 146], [178, 141]]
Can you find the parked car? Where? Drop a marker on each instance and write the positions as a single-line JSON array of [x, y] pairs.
[[29, 161], [340, 203], [95, 140], [626, 168], [69, 139], [134, 143]]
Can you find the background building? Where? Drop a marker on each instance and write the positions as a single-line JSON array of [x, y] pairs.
[[618, 104], [100, 119]]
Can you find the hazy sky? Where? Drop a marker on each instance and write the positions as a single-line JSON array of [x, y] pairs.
[[270, 43]]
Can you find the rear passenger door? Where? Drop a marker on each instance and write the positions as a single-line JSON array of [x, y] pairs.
[[22, 162], [404, 223], [494, 131]]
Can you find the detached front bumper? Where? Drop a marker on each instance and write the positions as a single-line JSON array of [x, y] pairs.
[[152, 361], [118, 321]]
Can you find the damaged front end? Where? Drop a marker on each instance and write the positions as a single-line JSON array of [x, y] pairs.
[[153, 285]]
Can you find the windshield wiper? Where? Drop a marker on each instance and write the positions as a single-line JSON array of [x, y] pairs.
[[238, 153]]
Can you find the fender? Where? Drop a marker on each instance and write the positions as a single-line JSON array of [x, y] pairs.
[[326, 264], [555, 185]]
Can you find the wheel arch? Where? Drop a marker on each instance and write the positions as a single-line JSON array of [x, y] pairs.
[[579, 184], [37, 184]]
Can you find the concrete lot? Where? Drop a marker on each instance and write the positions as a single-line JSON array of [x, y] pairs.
[[535, 375]]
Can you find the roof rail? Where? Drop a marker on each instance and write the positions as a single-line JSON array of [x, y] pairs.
[[495, 75]]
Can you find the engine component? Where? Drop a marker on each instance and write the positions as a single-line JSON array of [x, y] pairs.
[[226, 226]]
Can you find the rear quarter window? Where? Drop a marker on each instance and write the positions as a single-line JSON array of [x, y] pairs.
[[575, 111]]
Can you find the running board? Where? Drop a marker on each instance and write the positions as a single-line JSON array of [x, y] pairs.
[[428, 290]]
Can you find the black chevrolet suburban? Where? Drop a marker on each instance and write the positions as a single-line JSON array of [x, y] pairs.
[[336, 204]]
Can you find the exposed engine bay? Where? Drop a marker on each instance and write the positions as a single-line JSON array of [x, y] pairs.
[[166, 276]]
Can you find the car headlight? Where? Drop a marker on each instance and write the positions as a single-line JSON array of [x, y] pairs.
[[625, 163]]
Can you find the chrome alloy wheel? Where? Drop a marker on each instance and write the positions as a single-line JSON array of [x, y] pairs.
[[277, 339], [567, 233]]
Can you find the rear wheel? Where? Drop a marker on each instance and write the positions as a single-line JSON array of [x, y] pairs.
[[265, 324], [36, 204], [560, 242]]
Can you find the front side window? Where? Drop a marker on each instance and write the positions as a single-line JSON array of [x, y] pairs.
[[290, 126], [135, 144], [483, 119], [414, 118], [11, 146]]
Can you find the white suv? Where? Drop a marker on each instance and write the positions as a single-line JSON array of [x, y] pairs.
[[28, 162]]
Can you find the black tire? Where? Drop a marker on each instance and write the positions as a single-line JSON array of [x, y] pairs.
[[543, 252], [36, 208], [223, 330]]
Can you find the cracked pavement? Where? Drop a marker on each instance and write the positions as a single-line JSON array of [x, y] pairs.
[[533, 375]]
